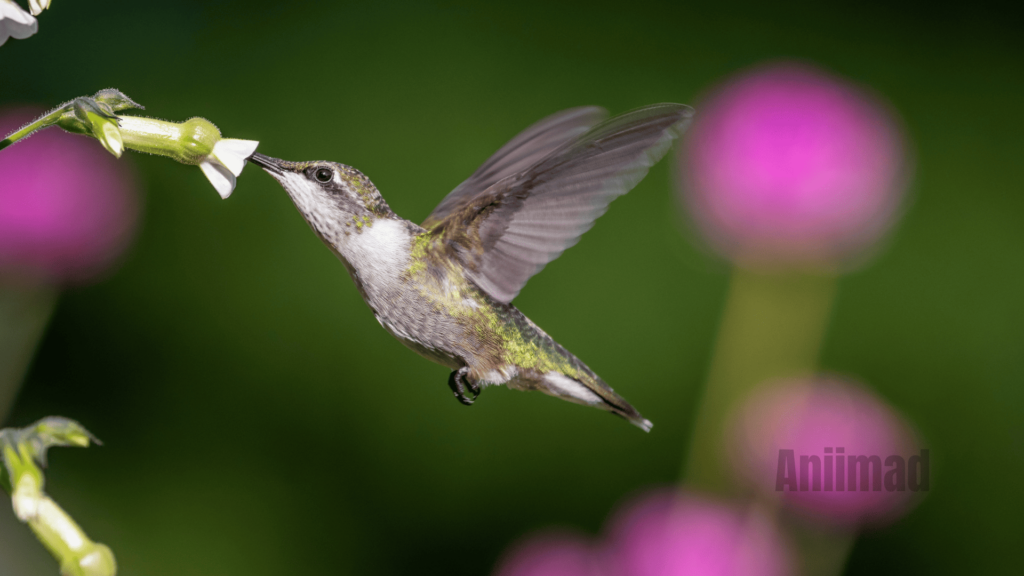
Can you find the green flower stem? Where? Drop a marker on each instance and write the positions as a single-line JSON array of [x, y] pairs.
[[44, 121], [24, 313], [21, 450], [187, 142], [772, 327]]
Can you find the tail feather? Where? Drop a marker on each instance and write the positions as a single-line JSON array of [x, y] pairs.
[[593, 393], [564, 376]]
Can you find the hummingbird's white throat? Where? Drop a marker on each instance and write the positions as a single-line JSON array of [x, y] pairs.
[[375, 252]]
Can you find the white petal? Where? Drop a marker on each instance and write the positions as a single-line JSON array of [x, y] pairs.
[[221, 178], [232, 153], [11, 11], [15, 22], [34, 6]]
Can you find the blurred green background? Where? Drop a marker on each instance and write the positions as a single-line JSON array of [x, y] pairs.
[[258, 420]]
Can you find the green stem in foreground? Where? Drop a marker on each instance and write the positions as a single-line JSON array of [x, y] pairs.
[[22, 451], [772, 327]]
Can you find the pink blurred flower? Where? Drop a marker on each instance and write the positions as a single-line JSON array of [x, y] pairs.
[[811, 417], [549, 553], [67, 208], [667, 533], [788, 165]]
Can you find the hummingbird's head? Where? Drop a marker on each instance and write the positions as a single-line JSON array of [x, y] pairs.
[[332, 197]]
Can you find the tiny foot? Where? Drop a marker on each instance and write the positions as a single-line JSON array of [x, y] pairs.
[[458, 382]]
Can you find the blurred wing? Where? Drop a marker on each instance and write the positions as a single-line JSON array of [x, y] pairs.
[[528, 147], [507, 234]]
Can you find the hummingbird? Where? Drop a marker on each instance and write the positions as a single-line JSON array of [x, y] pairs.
[[444, 288]]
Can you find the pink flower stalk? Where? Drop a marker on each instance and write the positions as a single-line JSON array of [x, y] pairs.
[[787, 165], [68, 209], [667, 533], [550, 553], [822, 421]]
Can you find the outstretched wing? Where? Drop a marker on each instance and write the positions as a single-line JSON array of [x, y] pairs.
[[523, 151], [507, 233]]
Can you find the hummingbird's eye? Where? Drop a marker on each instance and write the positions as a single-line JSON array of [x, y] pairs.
[[324, 175]]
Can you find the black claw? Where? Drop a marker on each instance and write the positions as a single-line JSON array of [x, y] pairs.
[[458, 383]]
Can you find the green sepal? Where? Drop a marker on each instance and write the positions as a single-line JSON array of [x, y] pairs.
[[84, 107], [96, 118], [57, 431], [20, 447], [116, 100]]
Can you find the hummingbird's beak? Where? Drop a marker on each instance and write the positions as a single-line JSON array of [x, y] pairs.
[[272, 165]]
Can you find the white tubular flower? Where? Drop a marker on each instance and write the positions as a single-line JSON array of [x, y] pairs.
[[196, 142], [225, 163], [22, 452], [37, 6], [15, 22]]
